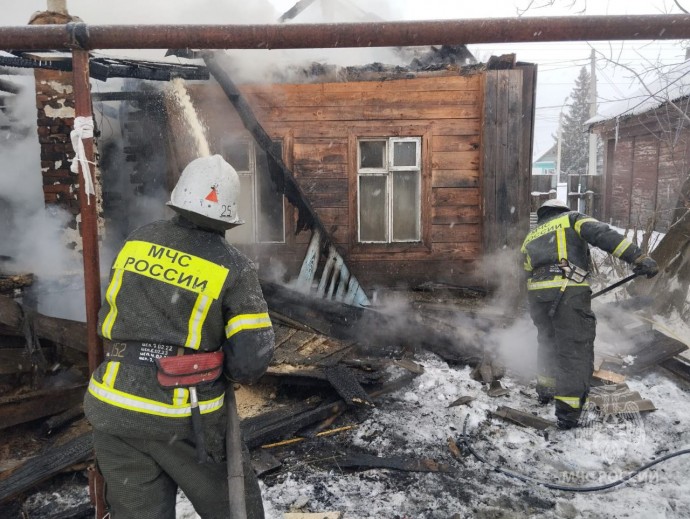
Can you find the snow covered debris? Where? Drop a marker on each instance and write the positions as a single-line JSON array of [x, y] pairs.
[[417, 422]]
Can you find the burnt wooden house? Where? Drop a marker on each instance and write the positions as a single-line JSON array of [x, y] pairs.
[[646, 152], [416, 174]]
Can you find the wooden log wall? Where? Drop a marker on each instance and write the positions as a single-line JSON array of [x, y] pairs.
[[320, 124]]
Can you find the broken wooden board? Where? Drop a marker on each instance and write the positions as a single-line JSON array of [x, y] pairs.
[[347, 386], [496, 389], [522, 418], [313, 376], [677, 366], [65, 332], [368, 326], [653, 347], [26, 407], [45, 465], [463, 400], [263, 462], [283, 423], [14, 361], [368, 461], [305, 347]]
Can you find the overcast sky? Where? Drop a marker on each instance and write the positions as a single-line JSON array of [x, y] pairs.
[[559, 63]]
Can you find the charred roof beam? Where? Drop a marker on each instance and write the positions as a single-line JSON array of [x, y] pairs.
[[102, 68]]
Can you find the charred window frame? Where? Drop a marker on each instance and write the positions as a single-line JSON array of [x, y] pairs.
[[261, 206], [389, 187]]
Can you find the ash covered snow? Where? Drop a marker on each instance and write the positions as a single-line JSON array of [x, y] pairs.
[[416, 422]]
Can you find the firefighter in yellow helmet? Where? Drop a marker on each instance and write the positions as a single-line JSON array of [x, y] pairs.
[[557, 259], [177, 288]]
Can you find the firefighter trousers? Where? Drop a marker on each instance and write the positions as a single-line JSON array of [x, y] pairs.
[[566, 347], [142, 477]]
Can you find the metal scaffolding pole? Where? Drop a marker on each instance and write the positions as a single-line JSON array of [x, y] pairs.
[[375, 34]]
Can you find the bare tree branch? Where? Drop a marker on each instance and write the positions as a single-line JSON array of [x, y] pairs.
[[653, 95], [680, 6]]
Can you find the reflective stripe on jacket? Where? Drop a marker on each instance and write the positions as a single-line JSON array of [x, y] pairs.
[[568, 236], [175, 284]]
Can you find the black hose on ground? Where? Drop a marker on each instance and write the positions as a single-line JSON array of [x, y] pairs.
[[528, 479]]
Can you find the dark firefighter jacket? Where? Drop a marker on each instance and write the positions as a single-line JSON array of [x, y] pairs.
[[174, 284], [567, 236]]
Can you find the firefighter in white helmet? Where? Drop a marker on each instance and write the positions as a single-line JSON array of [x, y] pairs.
[[177, 288], [557, 259]]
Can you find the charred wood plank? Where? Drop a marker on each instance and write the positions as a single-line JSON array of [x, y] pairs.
[[14, 361], [347, 386], [678, 367], [651, 348], [283, 423], [264, 462], [300, 6], [369, 326], [522, 418], [254, 436], [54, 423], [60, 331], [45, 465], [368, 461], [312, 376], [280, 173], [26, 407]]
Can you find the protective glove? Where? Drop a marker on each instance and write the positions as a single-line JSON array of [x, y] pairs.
[[248, 354], [645, 266]]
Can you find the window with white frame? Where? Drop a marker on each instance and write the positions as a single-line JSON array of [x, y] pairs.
[[260, 205], [389, 189]]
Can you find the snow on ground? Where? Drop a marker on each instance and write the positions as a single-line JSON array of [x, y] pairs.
[[416, 422]]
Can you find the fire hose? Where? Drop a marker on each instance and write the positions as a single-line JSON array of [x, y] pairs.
[[553, 486]]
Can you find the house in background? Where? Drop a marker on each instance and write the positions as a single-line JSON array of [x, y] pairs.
[[544, 177], [646, 142], [414, 173]]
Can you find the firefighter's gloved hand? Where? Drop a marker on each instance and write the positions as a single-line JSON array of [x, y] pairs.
[[248, 354], [645, 266]]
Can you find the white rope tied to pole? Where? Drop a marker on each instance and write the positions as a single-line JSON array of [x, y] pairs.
[[83, 129]]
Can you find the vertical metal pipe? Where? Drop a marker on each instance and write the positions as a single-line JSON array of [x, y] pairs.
[[89, 218], [89, 234]]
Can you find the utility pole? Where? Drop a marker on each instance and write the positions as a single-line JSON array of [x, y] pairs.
[[558, 146], [592, 169]]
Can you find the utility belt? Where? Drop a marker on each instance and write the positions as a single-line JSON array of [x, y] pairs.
[[546, 272], [139, 352], [557, 276]]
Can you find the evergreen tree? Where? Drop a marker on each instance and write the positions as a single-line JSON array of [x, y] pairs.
[[575, 139]]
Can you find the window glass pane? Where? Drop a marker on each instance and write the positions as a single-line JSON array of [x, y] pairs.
[[372, 154], [244, 233], [270, 202], [237, 154], [406, 206], [405, 153], [373, 203]]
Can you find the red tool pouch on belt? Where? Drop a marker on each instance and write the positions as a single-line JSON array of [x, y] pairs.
[[189, 370]]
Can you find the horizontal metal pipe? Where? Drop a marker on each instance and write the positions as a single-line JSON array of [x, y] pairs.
[[378, 34]]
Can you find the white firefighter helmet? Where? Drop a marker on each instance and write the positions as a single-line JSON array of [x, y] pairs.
[[207, 193], [554, 203]]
